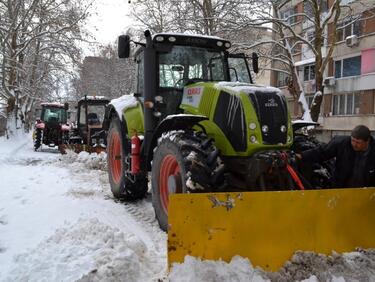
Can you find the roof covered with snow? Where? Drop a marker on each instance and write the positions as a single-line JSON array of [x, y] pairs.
[[52, 104]]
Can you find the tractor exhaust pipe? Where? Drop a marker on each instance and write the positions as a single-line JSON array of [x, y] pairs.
[[149, 91]]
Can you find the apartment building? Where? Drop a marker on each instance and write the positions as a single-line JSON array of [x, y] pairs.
[[349, 79]]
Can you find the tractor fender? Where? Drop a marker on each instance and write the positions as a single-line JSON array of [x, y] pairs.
[[110, 113], [169, 123]]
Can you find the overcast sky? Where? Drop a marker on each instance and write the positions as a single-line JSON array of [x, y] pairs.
[[109, 19]]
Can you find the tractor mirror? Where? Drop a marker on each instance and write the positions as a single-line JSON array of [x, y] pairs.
[[255, 60], [123, 46]]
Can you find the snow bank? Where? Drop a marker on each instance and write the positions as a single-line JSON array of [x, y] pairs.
[[89, 246], [354, 266], [304, 266], [89, 161], [194, 270]]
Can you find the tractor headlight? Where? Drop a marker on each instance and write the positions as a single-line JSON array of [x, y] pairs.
[[252, 125], [283, 128], [265, 128], [227, 45], [159, 38], [172, 39], [253, 139], [219, 43]]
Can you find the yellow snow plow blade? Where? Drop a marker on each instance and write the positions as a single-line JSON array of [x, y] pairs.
[[268, 227]]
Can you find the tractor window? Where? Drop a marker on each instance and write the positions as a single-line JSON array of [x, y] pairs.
[[186, 63], [140, 74], [95, 114], [238, 69], [54, 115]]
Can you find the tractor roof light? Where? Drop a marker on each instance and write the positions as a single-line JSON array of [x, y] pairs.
[[227, 45], [159, 38], [219, 43], [172, 39]]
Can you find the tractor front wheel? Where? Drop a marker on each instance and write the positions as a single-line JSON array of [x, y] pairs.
[[38, 139], [182, 163], [118, 157]]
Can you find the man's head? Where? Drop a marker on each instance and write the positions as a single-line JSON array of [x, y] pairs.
[[360, 138]]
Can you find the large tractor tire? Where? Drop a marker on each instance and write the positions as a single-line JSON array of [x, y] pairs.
[[182, 163], [117, 154], [38, 139]]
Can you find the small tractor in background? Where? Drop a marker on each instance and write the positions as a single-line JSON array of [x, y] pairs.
[[88, 133], [51, 127], [199, 123]]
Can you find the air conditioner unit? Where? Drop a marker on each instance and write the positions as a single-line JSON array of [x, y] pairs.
[[329, 81], [352, 40]]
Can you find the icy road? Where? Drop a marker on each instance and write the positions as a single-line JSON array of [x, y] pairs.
[[59, 222]]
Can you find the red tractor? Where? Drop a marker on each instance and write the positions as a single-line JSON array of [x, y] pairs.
[[51, 128]]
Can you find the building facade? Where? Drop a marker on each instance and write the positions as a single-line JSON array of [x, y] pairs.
[[349, 79]]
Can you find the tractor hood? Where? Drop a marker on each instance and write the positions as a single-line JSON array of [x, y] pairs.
[[249, 116]]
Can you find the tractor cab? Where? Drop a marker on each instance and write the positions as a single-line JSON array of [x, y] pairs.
[[88, 134], [182, 60]]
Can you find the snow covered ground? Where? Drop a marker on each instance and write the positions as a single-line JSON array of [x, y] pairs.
[[59, 222]]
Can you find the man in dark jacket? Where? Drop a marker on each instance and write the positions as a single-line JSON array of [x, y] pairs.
[[355, 158]]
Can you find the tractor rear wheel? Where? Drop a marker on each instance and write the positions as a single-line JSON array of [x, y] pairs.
[[117, 154], [182, 163], [38, 139]]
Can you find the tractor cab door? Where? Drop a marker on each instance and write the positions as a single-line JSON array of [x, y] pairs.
[[238, 68]]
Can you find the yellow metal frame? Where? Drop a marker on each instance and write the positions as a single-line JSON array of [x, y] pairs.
[[268, 227]]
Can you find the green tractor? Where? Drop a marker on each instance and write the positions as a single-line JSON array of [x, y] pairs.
[[197, 122]]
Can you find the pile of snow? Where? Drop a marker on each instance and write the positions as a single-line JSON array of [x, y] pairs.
[[88, 246], [353, 266], [84, 160], [193, 269], [304, 266]]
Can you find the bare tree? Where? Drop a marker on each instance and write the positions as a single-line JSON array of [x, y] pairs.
[[322, 22], [38, 40]]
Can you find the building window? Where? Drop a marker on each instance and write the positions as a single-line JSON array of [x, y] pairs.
[[348, 28], [310, 35], [282, 79], [348, 67], [288, 15], [309, 11], [345, 104], [309, 72]]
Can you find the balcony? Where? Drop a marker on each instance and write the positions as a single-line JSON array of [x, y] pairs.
[[355, 83]]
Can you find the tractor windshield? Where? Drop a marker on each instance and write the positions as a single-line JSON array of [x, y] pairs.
[[54, 114], [95, 115], [186, 63]]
